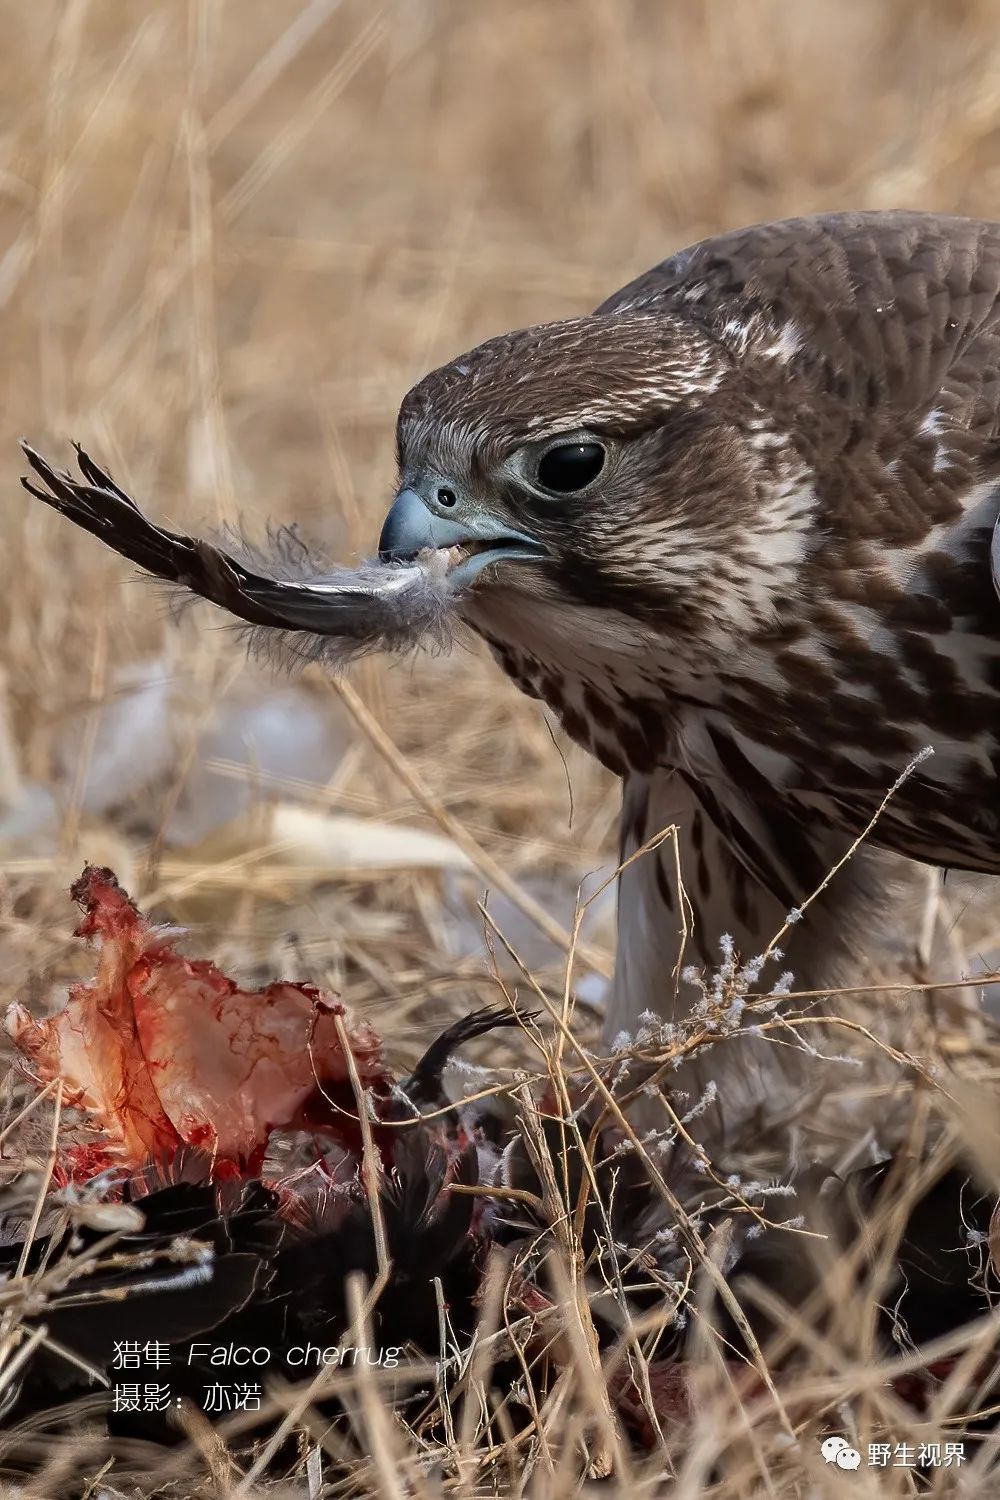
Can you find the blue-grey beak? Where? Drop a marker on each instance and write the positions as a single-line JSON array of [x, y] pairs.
[[416, 524]]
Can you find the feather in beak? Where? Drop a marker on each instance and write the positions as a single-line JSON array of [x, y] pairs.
[[333, 614]]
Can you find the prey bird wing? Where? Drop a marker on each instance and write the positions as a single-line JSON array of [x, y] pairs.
[[101, 507], [346, 611]]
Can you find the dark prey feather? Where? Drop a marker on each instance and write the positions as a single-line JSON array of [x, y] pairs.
[[336, 614], [425, 1086]]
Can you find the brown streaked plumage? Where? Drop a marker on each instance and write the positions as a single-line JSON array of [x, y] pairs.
[[774, 589]]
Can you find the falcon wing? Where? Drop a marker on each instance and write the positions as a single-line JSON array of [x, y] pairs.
[[900, 308]]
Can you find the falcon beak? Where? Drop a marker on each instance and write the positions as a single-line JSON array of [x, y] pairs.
[[472, 538]]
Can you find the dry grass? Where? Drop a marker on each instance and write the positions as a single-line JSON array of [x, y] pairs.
[[233, 235]]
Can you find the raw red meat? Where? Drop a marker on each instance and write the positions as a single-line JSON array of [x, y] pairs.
[[164, 1051]]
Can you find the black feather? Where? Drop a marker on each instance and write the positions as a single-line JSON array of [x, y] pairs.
[[335, 614]]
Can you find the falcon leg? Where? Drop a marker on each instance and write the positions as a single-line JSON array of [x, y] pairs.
[[678, 900]]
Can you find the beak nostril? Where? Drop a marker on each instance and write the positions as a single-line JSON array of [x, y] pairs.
[[447, 498]]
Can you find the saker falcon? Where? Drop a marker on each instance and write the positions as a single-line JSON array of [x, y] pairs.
[[733, 529]]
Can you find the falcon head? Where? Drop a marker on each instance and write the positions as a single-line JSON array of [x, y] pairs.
[[579, 469]]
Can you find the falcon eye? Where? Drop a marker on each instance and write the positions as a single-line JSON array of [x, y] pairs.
[[570, 467]]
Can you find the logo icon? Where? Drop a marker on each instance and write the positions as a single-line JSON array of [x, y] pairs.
[[837, 1450]]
